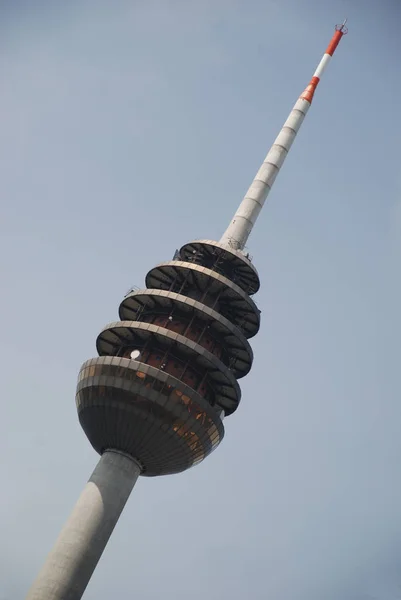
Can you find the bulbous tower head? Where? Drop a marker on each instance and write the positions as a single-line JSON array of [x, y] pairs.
[[167, 372]]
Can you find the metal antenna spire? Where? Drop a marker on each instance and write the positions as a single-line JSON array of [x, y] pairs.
[[238, 231]]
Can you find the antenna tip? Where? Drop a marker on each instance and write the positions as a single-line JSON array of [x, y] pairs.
[[343, 27]]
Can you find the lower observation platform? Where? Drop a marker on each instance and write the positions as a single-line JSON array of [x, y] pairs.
[[146, 413]]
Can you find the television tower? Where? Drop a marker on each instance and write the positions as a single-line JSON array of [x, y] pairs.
[[154, 400]]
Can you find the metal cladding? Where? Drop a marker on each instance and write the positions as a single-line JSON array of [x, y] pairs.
[[237, 233], [167, 372]]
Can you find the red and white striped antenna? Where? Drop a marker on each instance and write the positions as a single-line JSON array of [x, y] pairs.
[[238, 231]]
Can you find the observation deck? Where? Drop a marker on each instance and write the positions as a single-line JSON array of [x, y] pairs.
[[167, 372]]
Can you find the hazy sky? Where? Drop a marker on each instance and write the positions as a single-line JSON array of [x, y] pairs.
[[129, 128]]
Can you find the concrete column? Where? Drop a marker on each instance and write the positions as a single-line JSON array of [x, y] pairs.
[[70, 564]]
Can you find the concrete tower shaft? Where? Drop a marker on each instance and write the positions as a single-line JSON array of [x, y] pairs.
[[239, 230], [78, 548]]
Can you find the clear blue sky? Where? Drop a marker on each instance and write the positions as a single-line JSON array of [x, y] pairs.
[[129, 128]]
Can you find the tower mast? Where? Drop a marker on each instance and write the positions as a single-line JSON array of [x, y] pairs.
[[240, 228], [153, 401]]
